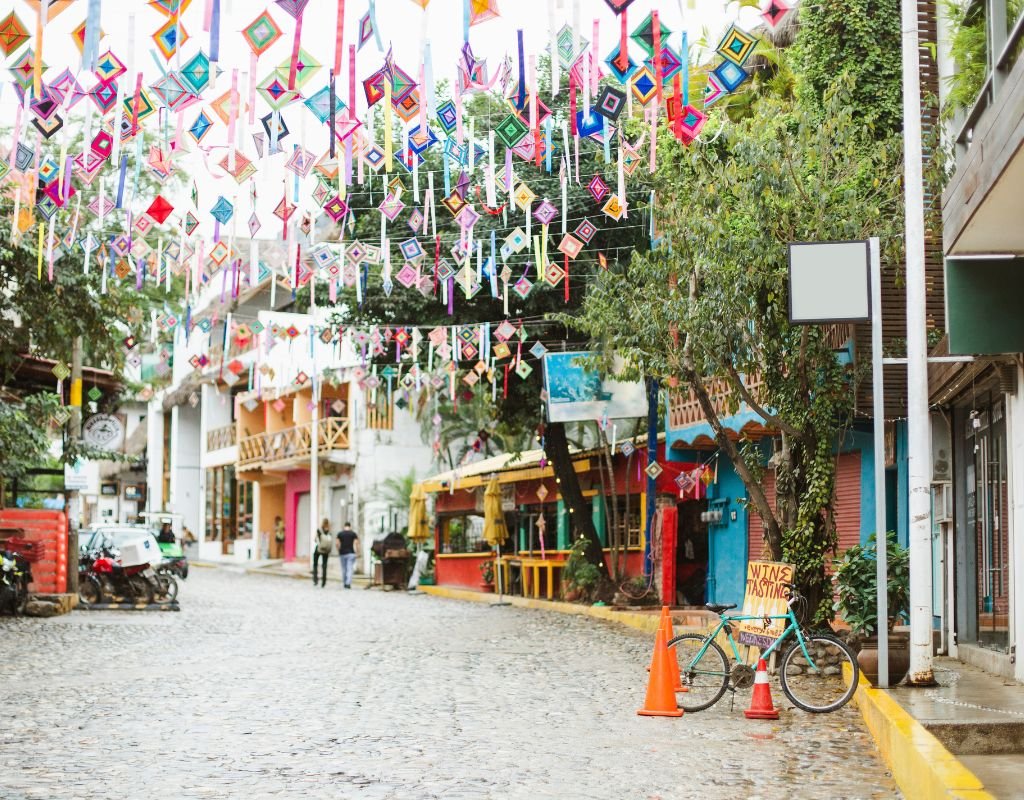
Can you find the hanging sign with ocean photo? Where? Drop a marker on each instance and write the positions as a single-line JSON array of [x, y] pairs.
[[576, 392]]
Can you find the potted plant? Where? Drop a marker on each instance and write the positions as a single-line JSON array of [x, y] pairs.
[[487, 576], [579, 576], [857, 584]]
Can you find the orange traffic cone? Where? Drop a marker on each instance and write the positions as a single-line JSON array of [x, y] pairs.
[[661, 696], [761, 703], [673, 659], [661, 623]]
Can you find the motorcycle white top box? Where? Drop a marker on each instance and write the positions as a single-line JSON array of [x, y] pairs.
[[143, 550]]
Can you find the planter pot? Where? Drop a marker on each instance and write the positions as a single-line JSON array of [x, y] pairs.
[[571, 595], [426, 580], [486, 587], [899, 658]]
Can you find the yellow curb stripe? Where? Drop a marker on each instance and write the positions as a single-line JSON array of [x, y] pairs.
[[921, 766]]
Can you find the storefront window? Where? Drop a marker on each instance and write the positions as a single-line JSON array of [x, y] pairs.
[[463, 534], [532, 532], [228, 507], [630, 525]]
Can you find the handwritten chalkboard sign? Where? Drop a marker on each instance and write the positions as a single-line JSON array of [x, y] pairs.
[[766, 596]]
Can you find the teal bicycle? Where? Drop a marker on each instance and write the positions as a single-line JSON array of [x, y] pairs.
[[818, 672]]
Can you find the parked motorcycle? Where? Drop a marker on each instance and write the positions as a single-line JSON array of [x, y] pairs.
[[15, 576], [102, 578], [175, 561]]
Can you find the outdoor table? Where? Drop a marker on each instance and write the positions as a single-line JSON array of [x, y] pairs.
[[530, 569]]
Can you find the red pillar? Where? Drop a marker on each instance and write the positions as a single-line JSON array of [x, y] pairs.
[[669, 528]]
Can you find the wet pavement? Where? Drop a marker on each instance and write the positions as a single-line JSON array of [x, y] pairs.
[[265, 687]]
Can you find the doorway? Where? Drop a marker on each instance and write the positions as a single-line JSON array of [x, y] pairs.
[[993, 528], [691, 554], [302, 510]]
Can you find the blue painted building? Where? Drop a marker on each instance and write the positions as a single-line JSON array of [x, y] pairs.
[[722, 548]]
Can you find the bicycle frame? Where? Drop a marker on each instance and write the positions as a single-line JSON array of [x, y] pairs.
[[791, 629]]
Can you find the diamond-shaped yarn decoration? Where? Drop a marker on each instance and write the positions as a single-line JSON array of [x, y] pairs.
[[714, 91], [643, 86], [109, 68], [545, 212], [610, 103], [169, 37], [196, 72], [13, 34], [60, 370], [775, 12], [643, 34], [621, 68], [523, 287], [511, 130], [654, 469], [447, 116], [736, 45], [598, 188], [729, 75], [688, 126], [261, 33], [627, 449], [94, 394], [523, 370], [670, 64]]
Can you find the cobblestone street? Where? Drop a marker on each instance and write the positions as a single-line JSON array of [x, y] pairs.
[[267, 687]]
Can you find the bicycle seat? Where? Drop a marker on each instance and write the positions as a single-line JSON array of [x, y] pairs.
[[718, 608]]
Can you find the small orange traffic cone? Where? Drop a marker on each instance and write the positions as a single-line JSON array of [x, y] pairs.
[[673, 659], [661, 696], [761, 706], [661, 622]]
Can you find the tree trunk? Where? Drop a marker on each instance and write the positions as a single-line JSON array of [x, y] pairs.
[[556, 445], [754, 489]]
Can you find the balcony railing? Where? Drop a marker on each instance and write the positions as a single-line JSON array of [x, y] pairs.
[[1003, 43], [222, 437], [684, 408], [291, 444]]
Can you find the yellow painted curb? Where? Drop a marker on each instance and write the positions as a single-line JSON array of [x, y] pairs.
[[921, 766], [642, 622]]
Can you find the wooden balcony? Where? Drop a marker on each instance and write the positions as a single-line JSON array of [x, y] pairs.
[[684, 408], [222, 437], [283, 449]]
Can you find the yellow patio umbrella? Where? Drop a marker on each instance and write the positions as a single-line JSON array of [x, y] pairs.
[[495, 530], [419, 530]]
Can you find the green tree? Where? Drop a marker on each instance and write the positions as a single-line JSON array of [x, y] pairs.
[[858, 40], [516, 415], [710, 304]]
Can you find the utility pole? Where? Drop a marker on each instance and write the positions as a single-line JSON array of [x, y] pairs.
[[918, 422], [314, 433], [74, 435]]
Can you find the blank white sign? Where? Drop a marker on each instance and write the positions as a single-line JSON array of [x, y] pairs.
[[828, 282]]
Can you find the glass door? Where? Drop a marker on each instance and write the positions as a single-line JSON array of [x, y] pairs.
[[992, 527]]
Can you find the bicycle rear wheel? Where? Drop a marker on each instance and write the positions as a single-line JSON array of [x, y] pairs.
[[704, 675], [824, 683]]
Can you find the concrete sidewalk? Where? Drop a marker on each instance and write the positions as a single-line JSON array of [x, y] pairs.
[[977, 717], [285, 569]]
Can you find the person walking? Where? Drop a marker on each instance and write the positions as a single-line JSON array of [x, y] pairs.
[[348, 541], [279, 537], [324, 545]]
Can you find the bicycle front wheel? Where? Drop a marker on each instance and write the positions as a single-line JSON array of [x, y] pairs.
[[824, 682], [703, 671]]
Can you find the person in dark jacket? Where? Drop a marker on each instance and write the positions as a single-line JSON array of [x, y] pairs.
[[348, 541], [322, 551]]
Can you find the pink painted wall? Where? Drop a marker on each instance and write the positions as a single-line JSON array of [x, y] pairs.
[[296, 483]]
